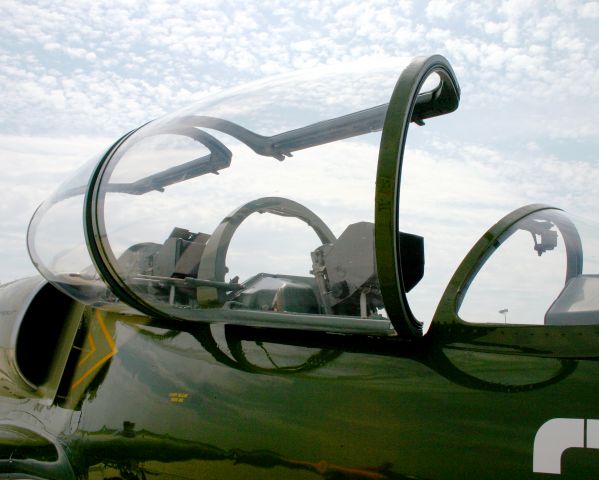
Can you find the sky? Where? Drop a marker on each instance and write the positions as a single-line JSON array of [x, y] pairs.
[[74, 76]]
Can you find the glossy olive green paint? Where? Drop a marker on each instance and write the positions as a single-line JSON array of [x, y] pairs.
[[242, 402]]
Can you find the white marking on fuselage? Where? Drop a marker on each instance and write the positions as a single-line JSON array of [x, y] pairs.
[[592, 434], [554, 438], [558, 435]]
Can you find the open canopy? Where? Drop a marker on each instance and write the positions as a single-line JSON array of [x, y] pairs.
[[272, 204]]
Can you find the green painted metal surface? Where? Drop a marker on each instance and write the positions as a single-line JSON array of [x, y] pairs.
[[253, 403]]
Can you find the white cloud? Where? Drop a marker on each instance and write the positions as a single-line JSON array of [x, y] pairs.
[[514, 9], [566, 42], [589, 10], [439, 9]]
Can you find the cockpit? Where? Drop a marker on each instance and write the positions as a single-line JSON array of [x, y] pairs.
[[278, 204]]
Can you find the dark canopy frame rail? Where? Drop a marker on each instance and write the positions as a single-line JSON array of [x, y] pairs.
[[403, 109]]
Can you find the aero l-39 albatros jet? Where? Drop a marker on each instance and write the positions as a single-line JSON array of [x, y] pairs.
[[236, 291]]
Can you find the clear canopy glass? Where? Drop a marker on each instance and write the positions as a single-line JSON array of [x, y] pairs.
[[259, 199]]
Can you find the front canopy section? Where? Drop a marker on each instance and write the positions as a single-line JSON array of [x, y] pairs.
[[255, 206]]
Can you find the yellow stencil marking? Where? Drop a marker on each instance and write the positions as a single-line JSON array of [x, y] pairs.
[[91, 352], [103, 360], [177, 397]]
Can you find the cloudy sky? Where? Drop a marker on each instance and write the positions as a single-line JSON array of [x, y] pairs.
[[76, 75]]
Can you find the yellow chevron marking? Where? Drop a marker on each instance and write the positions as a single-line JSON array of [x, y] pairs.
[[101, 361]]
